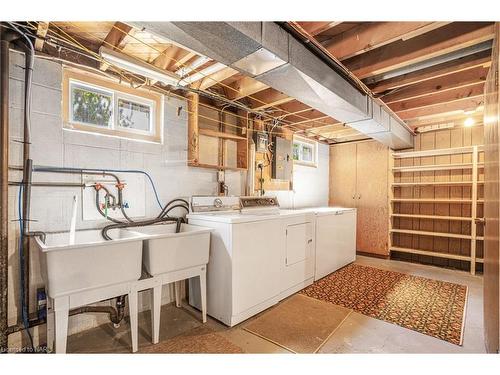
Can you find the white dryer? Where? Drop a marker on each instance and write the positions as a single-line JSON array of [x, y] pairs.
[[258, 254]]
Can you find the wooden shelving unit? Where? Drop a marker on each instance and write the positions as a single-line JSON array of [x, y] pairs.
[[426, 194], [217, 138]]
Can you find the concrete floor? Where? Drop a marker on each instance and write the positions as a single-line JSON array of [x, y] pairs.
[[356, 334]]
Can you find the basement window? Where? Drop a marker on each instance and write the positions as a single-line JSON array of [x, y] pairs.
[[97, 105], [305, 152]]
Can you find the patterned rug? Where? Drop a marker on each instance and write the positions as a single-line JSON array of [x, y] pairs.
[[435, 308]]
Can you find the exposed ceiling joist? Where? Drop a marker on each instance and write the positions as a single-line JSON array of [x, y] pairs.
[[481, 59], [315, 28], [244, 87], [268, 98], [169, 56], [453, 118], [181, 61], [449, 38], [442, 97], [453, 81], [215, 78], [373, 35], [114, 39], [456, 107], [41, 31]]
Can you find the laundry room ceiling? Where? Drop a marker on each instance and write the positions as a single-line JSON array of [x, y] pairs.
[[426, 72]]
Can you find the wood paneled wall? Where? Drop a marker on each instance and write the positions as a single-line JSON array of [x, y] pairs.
[[455, 137]]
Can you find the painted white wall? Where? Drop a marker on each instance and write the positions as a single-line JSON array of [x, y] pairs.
[[310, 184], [52, 145]]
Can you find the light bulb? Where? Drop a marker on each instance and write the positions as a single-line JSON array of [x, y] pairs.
[[469, 121]]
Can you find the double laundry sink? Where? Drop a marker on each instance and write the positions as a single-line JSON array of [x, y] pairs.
[[92, 269]]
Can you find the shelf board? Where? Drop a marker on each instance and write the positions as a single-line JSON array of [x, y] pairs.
[[434, 183], [213, 133], [444, 151], [432, 217], [210, 166], [436, 167], [433, 200], [432, 253], [432, 234]]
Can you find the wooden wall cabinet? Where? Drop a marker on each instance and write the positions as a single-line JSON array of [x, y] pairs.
[[359, 177], [217, 138]]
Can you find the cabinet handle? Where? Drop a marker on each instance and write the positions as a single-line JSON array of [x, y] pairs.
[[359, 196], [354, 196]]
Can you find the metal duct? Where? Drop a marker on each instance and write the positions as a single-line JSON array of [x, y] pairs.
[[268, 53]]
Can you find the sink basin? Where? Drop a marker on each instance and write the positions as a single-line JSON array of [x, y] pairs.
[[91, 262], [166, 251]]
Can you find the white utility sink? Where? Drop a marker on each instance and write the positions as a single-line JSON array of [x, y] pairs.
[[91, 262], [166, 251]]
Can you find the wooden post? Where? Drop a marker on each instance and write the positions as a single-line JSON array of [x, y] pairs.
[[193, 129], [473, 240]]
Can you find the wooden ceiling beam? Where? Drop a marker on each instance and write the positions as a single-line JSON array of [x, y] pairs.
[[41, 32], [449, 38], [439, 98], [114, 39], [116, 35], [480, 59], [457, 107], [441, 84], [215, 78], [315, 28], [270, 97], [371, 35], [244, 87], [169, 57], [445, 119]]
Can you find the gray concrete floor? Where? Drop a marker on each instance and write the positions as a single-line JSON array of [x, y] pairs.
[[357, 333]]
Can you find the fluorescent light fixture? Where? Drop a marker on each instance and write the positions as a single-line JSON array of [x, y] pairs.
[[137, 66], [195, 64], [469, 121], [202, 74]]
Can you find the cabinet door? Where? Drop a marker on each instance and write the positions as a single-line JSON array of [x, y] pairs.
[[298, 243], [343, 175], [372, 173]]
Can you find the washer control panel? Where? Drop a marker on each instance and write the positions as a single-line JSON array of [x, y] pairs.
[[260, 202], [214, 203]]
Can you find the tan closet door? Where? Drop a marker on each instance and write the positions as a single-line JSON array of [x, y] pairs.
[[371, 182], [343, 175]]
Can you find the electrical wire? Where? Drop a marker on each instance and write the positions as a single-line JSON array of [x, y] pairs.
[[24, 311], [81, 46], [97, 57]]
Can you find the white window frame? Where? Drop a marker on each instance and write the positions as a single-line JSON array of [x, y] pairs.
[[73, 79], [90, 87], [138, 100], [313, 144]]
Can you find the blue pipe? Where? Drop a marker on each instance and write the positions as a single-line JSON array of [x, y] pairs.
[[82, 170]]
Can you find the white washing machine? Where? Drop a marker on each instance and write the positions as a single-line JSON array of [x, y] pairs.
[[258, 254]]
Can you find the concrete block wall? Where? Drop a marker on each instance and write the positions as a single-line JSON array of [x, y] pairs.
[[52, 145], [166, 163], [310, 184]]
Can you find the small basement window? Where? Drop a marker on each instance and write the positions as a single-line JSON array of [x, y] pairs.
[[305, 151], [97, 105]]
